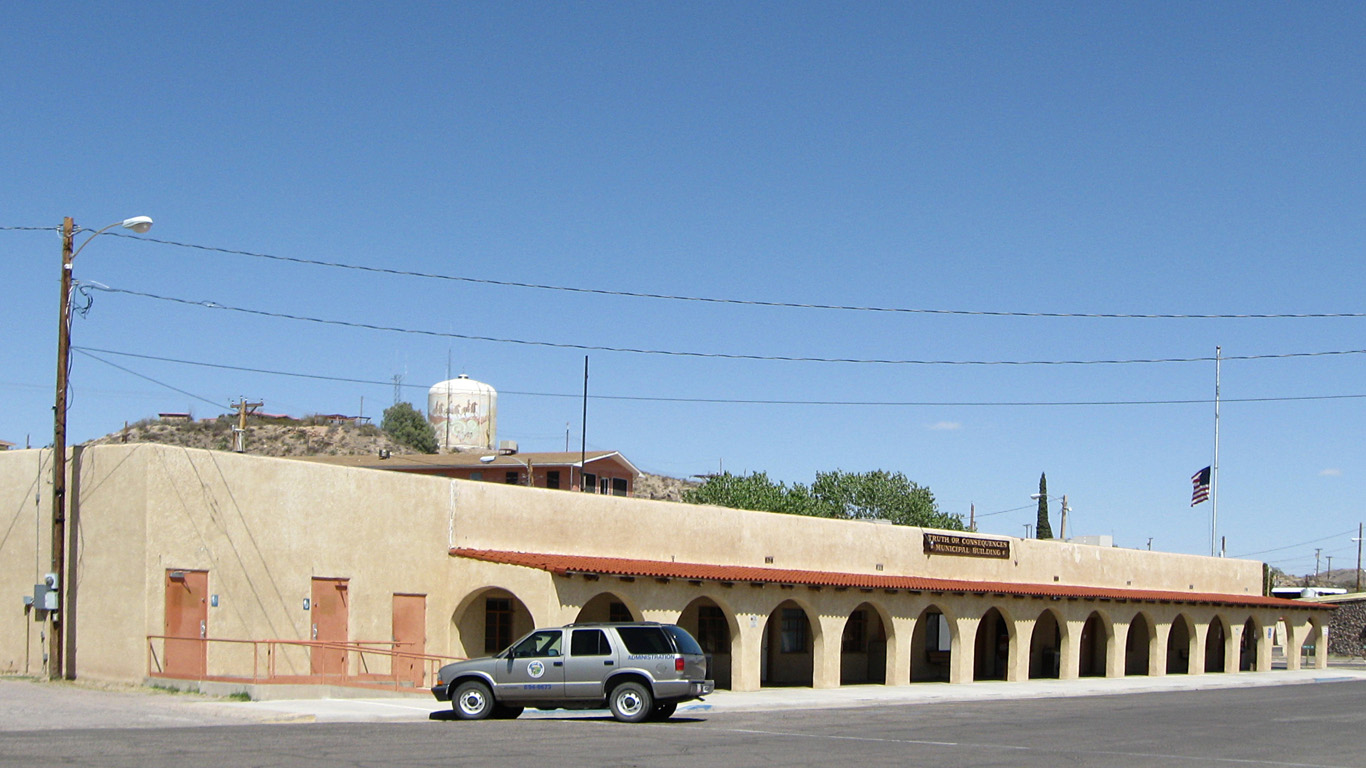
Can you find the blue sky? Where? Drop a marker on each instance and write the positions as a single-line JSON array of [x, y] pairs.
[[1087, 158]]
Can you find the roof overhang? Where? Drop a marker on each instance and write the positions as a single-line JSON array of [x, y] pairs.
[[586, 565]]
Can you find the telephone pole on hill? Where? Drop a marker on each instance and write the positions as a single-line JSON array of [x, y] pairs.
[[239, 433]]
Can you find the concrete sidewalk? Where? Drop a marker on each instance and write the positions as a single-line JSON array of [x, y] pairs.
[[420, 708]]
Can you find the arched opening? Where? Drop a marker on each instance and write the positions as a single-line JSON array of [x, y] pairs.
[[1094, 645], [1216, 640], [1179, 647], [488, 621], [787, 657], [992, 649], [1247, 646], [713, 627], [863, 647], [1138, 646], [1310, 648], [605, 607], [1045, 646], [931, 646], [1283, 639]]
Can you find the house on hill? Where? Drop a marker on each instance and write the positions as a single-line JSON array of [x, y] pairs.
[[605, 472]]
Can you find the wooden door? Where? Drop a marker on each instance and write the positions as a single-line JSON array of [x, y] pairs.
[[187, 623], [410, 637], [330, 611]]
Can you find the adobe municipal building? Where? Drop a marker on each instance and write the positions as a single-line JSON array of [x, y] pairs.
[[201, 565]]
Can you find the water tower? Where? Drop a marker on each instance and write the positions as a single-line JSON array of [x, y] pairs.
[[464, 413]]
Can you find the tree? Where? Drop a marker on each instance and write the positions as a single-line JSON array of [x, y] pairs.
[[877, 495], [404, 424], [754, 491], [1043, 530]]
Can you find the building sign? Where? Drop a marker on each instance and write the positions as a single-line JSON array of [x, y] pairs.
[[968, 546]]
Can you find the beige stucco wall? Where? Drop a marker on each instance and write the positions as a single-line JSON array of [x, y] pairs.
[[533, 520], [264, 527]]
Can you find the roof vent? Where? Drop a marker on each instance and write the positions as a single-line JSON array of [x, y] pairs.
[[507, 446]]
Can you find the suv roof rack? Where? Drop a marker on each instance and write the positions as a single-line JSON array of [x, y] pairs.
[[614, 624]]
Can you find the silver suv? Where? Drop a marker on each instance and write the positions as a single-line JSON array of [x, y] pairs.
[[640, 670]]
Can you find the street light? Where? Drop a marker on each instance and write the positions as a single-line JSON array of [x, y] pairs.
[[56, 633], [495, 457], [1062, 532]]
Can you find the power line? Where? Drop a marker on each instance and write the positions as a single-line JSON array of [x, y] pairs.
[[740, 401], [1003, 511], [709, 355], [739, 302], [148, 378], [1301, 544]]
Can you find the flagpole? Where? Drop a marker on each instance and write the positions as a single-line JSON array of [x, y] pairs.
[[1214, 468]]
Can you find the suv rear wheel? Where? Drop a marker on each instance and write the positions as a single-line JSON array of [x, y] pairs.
[[631, 702]]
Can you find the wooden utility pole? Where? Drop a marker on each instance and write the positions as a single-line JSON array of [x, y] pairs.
[[239, 434], [56, 639]]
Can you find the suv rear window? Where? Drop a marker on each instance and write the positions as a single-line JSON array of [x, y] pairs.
[[645, 640], [684, 641]]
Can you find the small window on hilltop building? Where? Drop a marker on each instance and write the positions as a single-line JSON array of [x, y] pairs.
[[552, 479]]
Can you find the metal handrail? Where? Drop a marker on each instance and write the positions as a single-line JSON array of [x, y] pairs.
[[430, 663]]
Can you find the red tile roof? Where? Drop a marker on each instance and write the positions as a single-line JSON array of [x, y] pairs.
[[564, 565]]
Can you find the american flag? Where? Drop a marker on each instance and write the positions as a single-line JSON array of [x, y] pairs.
[[1200, 483]]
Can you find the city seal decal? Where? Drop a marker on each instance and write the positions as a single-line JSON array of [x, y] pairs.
[[535, 668]]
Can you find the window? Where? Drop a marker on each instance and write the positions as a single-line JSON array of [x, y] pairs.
[[589, 642], [712, 633], [618, 486], [510, 478], [543, 643], [683, 641], [645, 640], [497, 624], [855, 633], [794, 631], [590, 482], [552, 479], [937, 636], [618, 612]]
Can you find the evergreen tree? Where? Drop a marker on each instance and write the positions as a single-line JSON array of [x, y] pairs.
[[1042, 529], [404, 424]]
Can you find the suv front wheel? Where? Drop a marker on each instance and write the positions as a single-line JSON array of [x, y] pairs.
[[472, 701], [631, 702]]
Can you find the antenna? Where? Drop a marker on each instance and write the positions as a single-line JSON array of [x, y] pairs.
[[398, 387]]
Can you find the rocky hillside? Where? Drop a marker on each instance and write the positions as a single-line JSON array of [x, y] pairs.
[[314, 437], [265, 437]]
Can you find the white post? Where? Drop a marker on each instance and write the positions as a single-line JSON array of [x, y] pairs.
[[1214, 468]]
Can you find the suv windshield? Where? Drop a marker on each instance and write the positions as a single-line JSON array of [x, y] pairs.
[[684, 641], [545, 642]]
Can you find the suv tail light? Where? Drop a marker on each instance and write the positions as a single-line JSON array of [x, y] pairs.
[[678, 664]]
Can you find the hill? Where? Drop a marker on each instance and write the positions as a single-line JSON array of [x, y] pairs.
[[314, 436]]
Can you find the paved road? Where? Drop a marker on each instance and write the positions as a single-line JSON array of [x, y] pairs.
[[1300, 726]]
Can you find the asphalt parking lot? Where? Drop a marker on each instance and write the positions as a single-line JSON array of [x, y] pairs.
[[27, 704]]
